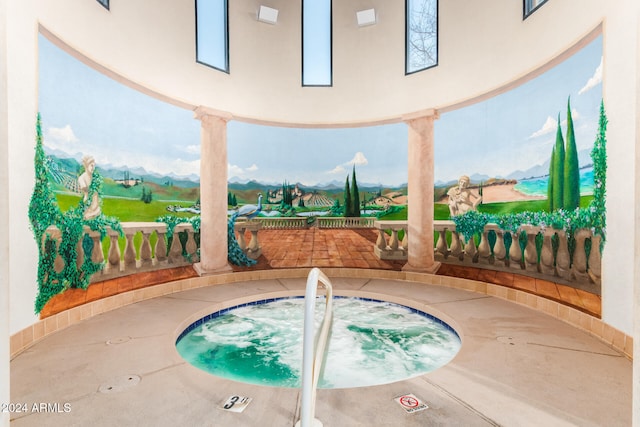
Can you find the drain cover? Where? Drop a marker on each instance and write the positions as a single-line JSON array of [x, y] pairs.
[[119, 384], [118, 340]]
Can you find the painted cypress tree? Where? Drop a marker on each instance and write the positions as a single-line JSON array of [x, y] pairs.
[[599, 158], [558, 170], [347, 199], [550, 183], [571, 191], [355, 194]]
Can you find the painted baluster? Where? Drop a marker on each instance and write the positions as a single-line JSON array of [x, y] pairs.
[[456, 246], [595, 261], [175, 251], [562, 258], [393, 241], [240, 238], [191, 246], [97, 256], [499, 249], [441, 244], [484, 250], [381, 242], [530, 252], [254, 250], [145, 250], [161, 247], [546, 254], [405, 239], [579, 266], [129, 252], [470, 250], [515, 252], [114, 253]]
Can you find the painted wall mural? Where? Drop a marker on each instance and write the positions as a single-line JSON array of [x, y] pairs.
[[504, 144], [494, 160]]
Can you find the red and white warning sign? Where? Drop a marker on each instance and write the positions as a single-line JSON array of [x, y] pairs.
[[410, 403]]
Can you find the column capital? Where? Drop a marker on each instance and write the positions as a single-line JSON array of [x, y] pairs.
[[430, 113], [205, 114]]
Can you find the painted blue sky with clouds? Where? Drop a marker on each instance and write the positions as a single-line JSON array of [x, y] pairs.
[[86, 112]]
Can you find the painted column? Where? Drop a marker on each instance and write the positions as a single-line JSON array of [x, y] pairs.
[[420, 193], [213, 192]]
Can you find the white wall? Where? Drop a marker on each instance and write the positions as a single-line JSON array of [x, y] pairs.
[[620, 97], [21, 99], [484, 48], [4, 219]]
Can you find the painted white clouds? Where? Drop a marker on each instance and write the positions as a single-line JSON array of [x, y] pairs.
[[237, 171], [64, 139], [594, 81], [61, 138], [359, 159]]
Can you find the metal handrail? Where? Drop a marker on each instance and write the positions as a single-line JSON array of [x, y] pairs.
[[314, 346]]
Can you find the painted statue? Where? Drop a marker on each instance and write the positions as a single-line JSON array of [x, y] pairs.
[[462, 199], [92, 209]]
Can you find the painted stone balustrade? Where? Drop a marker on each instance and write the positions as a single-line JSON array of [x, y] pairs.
[[544, 253], [533, 251], [139, 254], [342, 222], [390, 248], [253, 250]]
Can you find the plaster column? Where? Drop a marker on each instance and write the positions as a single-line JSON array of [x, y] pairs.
[[420, 193], [5, 339], [636, 274], [213, 192]]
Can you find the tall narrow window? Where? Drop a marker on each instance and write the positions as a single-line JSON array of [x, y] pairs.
[[531, 6], [316, 43], [212, 34], [421, 35], [105, 3]]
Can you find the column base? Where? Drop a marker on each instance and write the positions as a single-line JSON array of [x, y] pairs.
[[431, 269], [202, 272]]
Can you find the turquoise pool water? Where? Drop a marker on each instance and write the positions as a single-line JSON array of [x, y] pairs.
[[539, 186], [372, 342]]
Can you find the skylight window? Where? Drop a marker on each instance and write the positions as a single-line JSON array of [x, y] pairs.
[[421, 35], [316, 43], [212, 34]]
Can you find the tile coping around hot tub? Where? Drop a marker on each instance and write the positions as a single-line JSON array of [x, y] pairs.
[[258, 301]]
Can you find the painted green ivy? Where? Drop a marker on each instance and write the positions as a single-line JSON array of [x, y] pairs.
[[58, 234], [235, 255]]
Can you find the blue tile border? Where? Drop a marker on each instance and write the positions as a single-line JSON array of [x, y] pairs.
[[219, 313]]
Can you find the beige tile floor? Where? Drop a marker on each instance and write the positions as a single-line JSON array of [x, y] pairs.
[[517, 367]]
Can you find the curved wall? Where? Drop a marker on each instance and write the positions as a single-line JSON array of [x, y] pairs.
[[483, 47]]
